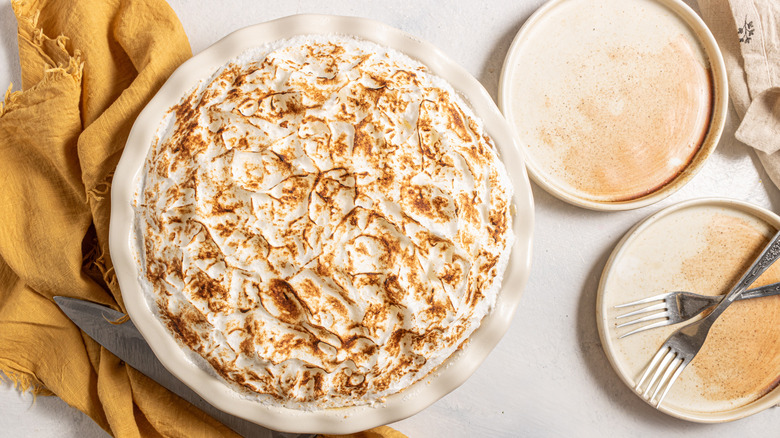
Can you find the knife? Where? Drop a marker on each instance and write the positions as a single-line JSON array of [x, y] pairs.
[[126, 342]]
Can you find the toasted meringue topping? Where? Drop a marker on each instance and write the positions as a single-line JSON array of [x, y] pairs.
[[324, 221]]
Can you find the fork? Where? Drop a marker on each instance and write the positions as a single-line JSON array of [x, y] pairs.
[[683, 345], [680, 306]]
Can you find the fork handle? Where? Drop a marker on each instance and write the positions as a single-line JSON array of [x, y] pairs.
[[758, 292], [768, 256]]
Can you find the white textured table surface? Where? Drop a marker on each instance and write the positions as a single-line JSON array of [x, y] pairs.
[[549, 375]]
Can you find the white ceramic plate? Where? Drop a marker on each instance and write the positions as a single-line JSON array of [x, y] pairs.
[[701, 246], [344, 420], [596, 91]]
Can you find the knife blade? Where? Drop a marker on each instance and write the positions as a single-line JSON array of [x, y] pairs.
[[125, 341]]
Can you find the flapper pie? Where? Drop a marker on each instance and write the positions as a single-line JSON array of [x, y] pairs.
[[345, 250]]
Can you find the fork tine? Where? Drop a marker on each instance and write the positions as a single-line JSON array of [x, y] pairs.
[[664, 381], [643, 301], [658, 306], [654, 382], [658, 315], [676, 374], [661, 352], [647, 327]]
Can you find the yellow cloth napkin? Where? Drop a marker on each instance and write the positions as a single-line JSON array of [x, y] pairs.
[[88, 68]]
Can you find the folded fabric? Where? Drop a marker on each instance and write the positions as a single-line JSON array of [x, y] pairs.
[[760, 127], [748, 34], [88, 68]]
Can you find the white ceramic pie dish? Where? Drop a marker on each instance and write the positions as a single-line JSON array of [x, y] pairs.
[[343, 420]]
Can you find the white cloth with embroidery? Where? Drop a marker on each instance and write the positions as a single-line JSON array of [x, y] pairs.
[[748, 33]]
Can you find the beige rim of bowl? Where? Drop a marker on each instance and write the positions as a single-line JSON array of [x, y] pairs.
[[710, 141], [607, 335]]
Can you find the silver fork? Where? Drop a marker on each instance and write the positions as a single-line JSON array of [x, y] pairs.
[[676, 307], [683, 345]]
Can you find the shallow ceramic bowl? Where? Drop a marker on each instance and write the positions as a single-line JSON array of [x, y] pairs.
[[701, 246], [441, 381], [616, 103]]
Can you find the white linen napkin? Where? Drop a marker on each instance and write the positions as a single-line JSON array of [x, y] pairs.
[[748, 33]]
